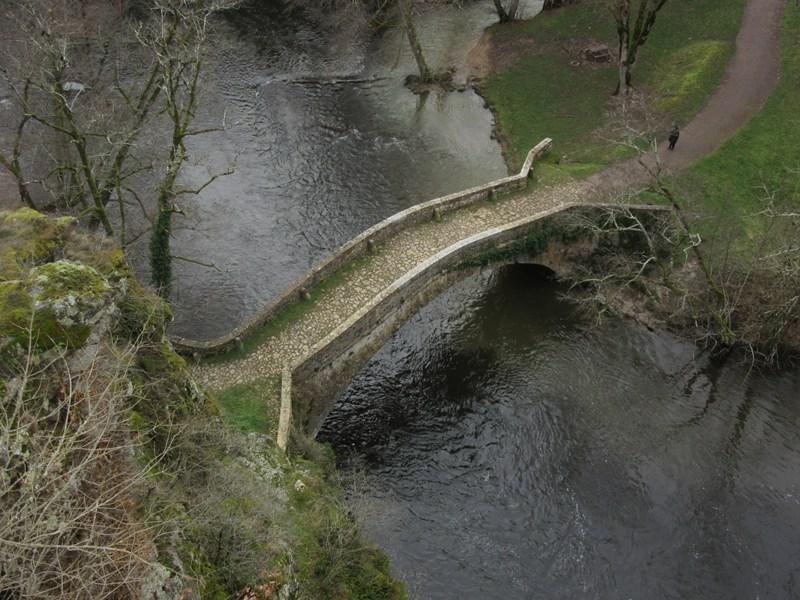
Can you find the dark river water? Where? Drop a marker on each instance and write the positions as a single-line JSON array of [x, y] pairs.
[[326, 141], [500, 448]]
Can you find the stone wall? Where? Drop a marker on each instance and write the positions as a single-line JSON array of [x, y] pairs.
[[360, 245], [326, 370]]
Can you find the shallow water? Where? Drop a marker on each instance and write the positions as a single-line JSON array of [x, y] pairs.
[[502, 449]]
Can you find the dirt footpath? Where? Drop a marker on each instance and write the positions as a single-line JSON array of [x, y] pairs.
[[751, 77]]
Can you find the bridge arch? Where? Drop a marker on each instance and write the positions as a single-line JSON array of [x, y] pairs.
[[311, 385]]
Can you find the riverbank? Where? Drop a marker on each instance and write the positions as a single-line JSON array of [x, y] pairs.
[[160, 493], [738, 198], [550, 76]]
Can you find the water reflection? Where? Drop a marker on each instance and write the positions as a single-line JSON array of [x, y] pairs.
[[509, 452], [326, 141]]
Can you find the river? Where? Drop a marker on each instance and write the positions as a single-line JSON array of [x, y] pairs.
[[498, 446], [326, 141]]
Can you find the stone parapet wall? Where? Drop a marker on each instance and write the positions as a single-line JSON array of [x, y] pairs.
[[320, 375], [360, 245], [315, 380]]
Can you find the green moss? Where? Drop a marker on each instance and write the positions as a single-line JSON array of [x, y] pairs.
[[19, 321], [535, 242], [137, 421], [252, 407], [50, 331], [166, 391], [16, 307], [143, 314], [332, 560], [208, 577], [28, 238], [24, 215], [161, 360], [685, 71], [63, 278]]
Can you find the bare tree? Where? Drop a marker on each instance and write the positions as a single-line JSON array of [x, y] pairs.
[[634, 21], [406, 12], [68, 482], [77, 88], [506, 14], [65, 79], [695, 270], [179, 58]]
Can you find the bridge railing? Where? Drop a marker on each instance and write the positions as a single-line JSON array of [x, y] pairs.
[[360, 245]]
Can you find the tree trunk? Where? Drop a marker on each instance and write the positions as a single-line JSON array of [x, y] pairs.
[[621, 12], [501, 11], [548, 4], [623, 83], [160, 253], [509, 14], [413, 41]]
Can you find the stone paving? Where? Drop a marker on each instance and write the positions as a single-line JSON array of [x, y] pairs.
[[395, 257]]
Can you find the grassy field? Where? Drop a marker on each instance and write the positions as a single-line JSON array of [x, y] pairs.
[[764, 157], [542, 91]]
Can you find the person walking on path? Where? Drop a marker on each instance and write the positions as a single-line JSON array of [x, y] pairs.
[[673, 136]]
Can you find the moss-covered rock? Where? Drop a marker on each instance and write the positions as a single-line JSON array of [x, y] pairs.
[[68, 298], [52, 303], [61, 278], [143, 314], [16, 307], [29, 238]]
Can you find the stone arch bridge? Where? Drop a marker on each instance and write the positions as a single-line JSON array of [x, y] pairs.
[[321, 328], [321, 331]]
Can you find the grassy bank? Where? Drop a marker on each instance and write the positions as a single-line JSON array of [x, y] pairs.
[[309, 535], [161, 489], [763, 159], [541, 87]]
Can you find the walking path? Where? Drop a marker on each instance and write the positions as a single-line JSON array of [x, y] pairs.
[[751, 76]]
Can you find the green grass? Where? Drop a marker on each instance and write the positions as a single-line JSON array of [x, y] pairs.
[[543, 95], [763, 155], [252, 407], [566, 108], [332, 560]]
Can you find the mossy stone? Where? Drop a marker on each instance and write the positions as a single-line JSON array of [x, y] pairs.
[[28, 238], [143, 314], [61, 278], [20, 320], [16, 307]]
